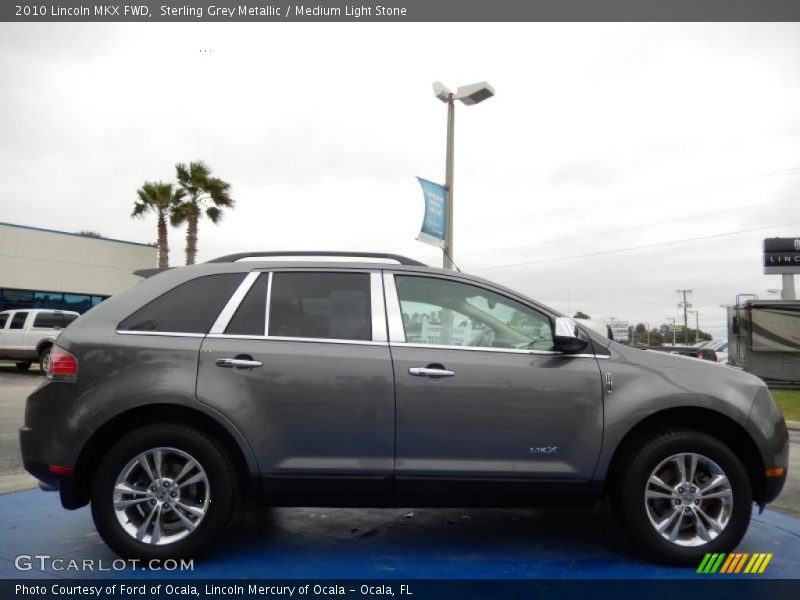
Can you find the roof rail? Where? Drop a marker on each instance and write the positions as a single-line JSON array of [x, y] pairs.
[[311, 255], [150, 272]]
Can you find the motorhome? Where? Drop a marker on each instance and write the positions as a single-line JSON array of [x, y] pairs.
[[764, 338]]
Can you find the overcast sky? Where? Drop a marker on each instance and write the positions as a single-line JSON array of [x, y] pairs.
[[601, 138]]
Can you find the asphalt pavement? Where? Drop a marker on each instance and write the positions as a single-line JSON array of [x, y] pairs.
[[14, 388]]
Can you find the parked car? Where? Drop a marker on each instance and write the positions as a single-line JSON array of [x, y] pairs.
[[385, 383], [27, 335], [689, 351], [720, 348]]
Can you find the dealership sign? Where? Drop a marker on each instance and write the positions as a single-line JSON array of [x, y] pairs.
[[619, 330], [781, 255], [433, 224]]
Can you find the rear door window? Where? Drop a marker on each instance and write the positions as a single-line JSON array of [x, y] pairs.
[[191, 307], [321, 305], [18, 321]]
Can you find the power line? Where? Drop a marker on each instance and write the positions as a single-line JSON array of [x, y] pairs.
[[603, 204], [618, 250], [634, 227]]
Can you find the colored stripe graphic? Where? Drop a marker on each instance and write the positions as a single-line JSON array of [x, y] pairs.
[[734, 563], [765, 563], [711, 563], [730, 563], [742, 560]]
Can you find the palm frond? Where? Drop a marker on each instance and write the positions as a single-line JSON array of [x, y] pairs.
[[213, 213]]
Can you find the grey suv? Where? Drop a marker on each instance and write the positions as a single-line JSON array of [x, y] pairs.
[[331, 382]]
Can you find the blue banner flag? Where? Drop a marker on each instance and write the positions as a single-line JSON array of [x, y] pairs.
[[433, 225]]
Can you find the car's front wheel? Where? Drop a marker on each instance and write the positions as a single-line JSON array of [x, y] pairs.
[[163, 491], [684, 494]]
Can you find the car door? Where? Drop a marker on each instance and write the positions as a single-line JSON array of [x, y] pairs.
[[485, 405], [315, 397], [14, 334]]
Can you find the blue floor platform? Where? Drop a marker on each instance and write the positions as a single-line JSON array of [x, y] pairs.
[[314, 543]]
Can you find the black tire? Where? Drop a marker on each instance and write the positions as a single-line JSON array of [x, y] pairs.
[[628, 497], [222, 486], [24, 365], [44, 359]]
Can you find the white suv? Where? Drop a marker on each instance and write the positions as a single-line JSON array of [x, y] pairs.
[[27, 335]]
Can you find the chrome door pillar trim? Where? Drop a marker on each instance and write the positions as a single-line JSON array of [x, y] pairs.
[[227, 313], [268, 304], [377, 308], [394, 315]]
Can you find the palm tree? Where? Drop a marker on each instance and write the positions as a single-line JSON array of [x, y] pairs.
[[202, 192], [159, 198]]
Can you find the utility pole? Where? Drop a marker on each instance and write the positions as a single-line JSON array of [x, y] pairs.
[[685, 306]]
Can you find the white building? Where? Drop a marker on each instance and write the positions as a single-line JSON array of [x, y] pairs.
[[42, 268]]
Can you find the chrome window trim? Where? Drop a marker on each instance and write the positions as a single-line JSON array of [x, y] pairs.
[[277, 338], [554, 353], [377, 307], [480, 349], [230, 308], [394, 314], [268, 304], [377, 314], [161, 333]]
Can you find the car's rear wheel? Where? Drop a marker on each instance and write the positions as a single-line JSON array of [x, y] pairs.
[[684, 494], [164, 490], [44, 360], [23, 365]]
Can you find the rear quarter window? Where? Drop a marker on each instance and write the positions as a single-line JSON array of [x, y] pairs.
[[191, 307], [50, 320]]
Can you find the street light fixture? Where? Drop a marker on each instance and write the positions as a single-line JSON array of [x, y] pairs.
[[469, 95]]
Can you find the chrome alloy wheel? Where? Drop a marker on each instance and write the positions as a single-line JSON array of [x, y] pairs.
[[161, 496], [688, 499]]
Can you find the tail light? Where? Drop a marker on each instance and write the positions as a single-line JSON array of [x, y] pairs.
[[63, 366]]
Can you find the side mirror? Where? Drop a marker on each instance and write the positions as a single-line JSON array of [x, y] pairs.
[[568, 338]]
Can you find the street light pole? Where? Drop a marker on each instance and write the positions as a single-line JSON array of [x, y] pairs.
[[468, 94], [447, 249]]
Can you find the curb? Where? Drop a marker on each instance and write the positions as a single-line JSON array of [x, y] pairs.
[[793, 425]]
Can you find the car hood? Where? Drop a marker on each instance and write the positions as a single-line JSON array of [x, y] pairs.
[[654, 358]]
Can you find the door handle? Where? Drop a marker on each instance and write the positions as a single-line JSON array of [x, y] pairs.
[[429, 372], [238, 363]]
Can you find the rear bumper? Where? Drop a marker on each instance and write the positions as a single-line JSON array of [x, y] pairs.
[[51, 435]]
